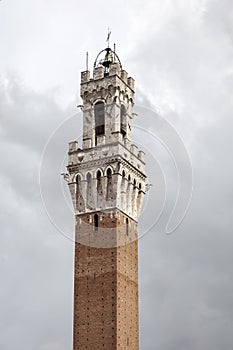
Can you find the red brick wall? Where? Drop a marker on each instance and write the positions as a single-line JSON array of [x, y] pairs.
[[106, 284]]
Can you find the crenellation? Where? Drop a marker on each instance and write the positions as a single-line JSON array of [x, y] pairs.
[[114, 69], [141, 156], [134, 149], [73, 146], [87, 143], [131, 83], [98, 73], [124, 76], [120, 87], [85, 76]]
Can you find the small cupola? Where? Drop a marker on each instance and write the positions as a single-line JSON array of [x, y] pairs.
[[105, 58]]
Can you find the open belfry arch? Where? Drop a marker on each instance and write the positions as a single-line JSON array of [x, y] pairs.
[[107, 185]]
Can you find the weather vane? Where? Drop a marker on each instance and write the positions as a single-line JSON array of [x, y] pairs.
[[108, 37]]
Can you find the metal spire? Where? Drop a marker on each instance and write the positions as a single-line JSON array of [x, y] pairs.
[[108, 37], [87, 60]]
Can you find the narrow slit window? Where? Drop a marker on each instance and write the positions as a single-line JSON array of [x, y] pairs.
[[127, 226], [96, 222]]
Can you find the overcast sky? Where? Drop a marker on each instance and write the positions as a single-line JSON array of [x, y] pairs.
[[180, 53]]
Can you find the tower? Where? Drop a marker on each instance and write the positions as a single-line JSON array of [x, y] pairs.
[[107, 185]]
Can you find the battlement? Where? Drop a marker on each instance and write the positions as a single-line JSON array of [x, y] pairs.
[[126, 182], [114, 70], [102, 152]]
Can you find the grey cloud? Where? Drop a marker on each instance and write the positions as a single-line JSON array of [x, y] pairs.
[[30, 247], [183, 67]]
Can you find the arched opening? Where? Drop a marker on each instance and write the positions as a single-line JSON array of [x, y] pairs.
[[109, 184], [79, 197], [88, 177], [99, 111], [89, 190], [134, 197], [123, 120], [123, 190], [96, 223], [139, 199], [129, 194], [78, 179], [109, 173], [98, 177]]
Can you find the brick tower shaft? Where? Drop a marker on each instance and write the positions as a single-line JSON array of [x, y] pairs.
[[106, 290]]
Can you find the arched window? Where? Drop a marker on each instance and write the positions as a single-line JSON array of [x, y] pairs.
[[78, 179], [109, 184], [96, 222], [134, 197], [123, 120], [139, 199], [89, 178], [89, 190], [128, 194], [79, 197], [123, 182], [99, 111], [109, 173], [98, 176]]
